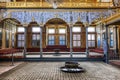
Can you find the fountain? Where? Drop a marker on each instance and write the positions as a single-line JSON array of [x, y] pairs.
[[72, 67]]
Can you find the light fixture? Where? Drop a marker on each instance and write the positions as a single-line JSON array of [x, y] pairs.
[[54, 3]]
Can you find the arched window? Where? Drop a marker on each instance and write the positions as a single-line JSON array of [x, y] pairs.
[[57, 36]]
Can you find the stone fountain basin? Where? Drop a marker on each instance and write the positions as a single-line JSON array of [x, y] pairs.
[[72, 67], [72, 70]]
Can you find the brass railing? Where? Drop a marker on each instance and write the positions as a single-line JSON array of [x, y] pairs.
[[63, 5]]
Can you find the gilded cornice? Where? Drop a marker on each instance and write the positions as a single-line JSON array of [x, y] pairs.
[[111, 19], [63, 5]]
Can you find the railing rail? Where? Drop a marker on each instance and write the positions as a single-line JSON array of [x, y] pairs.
[[113, 55]]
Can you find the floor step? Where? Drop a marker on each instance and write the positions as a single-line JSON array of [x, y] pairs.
[[63, 59]]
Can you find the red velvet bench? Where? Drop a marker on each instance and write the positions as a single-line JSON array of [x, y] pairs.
[[8, 51]]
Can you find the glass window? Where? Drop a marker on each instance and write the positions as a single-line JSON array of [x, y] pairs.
[[21, 29], [62, 39], [7, 38], [51, 31], [62, 31], [36, 40], [20, 40], [35, 29], [91, 40], [111, 38], [76, 29], [76, 40], [91, 29], [98, 41], [51, 40]]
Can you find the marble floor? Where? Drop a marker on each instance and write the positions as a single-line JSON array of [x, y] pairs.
[[51, 71]]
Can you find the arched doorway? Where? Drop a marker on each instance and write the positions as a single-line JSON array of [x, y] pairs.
[[56, 32]]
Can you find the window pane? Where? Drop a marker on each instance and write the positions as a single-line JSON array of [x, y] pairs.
[[89, 37], [78, 37], [98, 40], [22, 37], [35, 29], [111, 39], [62, 37], [92, 43], [62, 31], [38, 37], [51, 37], [21, 29], [19, 43], [78, 43], [51, 42], [89, 43], [33, 37], [93, 37], [51, 31], [20, 40], [22, 45], [111, 36], [74, 43], [74, 37], [111, 43], [62, 42], [19, 37], [76, 29], [91, 29], [35, 40]]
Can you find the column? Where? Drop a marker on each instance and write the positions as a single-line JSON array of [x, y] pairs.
[[10, 40], [105, 45], [71, 51], [41, 54], [3, 36], [10, 34], [116, 33], [87, 53], [25, 44]]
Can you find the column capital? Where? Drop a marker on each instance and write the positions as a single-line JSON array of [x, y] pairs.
[[70, 25], [86, 24], [41, 25], [25, 24]]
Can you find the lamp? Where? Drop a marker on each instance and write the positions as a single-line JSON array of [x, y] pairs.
[[54, 3]]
